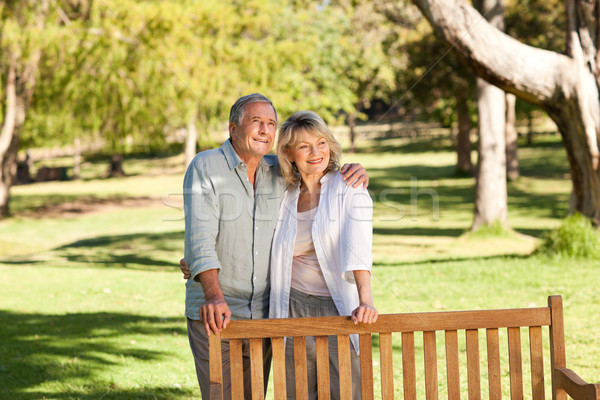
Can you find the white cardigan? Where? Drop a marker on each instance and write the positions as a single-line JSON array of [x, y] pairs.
[[342, 234]]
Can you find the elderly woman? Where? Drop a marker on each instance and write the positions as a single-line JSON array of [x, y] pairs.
[[321, 253]]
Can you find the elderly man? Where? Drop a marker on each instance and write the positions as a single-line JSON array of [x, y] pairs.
[[232, 197]]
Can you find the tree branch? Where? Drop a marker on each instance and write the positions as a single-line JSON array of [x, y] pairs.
[[532, 74], [61, 13]]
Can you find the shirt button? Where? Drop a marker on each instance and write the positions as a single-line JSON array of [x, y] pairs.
[[256, 253]]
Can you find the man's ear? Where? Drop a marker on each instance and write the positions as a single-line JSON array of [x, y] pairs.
[[231, 130]]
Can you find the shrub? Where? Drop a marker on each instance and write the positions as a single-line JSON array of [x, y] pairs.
[[576, 237]]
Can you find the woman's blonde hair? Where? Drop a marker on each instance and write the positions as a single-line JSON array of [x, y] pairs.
[[310, 122]]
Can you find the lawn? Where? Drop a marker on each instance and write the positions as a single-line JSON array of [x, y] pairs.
[[91, 305]]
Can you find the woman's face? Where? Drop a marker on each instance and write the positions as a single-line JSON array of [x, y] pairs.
[[310, 153]]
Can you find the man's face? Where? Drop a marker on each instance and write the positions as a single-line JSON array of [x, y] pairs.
[[255, 136]]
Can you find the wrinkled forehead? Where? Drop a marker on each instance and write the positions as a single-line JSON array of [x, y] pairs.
[[261, 108]]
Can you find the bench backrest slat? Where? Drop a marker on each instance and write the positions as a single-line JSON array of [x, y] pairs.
[[515, 363], [408, 366], [345, 369], [256, 369], [474, 385], [493, 357], [322, 345], [366, 366], [431, 380], [452, 366], [237, 367], [536, 354], [387, 366], [279, 377], [300, 368]]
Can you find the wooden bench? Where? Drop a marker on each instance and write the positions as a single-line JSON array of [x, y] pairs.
[[473, 323]]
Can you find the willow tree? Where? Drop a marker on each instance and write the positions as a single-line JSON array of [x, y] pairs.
[[29, 29], [21, 42], [564, 85]]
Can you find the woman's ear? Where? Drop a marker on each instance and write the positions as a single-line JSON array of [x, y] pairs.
[[288, 155]]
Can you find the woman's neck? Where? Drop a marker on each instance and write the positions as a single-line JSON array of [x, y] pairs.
[[310, 193], [311, 183]]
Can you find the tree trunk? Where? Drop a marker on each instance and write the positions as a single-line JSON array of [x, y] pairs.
[[512, 145], [8, 171], [7, 137], [19, 77], [352, 126], [191, 139], [530, 132], [565, 86], [116, 166], [18, 90], [578, 118], [464, 166], [77, 158], [490, 186]]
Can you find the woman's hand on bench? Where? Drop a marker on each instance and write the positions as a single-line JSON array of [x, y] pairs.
[[365, 313]]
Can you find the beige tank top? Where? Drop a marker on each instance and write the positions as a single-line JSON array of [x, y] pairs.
[[307, 276]]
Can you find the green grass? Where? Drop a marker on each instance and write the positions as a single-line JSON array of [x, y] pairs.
[[71, 333], [91, 305]]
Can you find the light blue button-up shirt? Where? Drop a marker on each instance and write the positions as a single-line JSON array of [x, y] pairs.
[[229, 226]]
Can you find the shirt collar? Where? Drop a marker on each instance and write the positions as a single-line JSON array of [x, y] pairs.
[[232, 158], [269, 161], [327, 176]]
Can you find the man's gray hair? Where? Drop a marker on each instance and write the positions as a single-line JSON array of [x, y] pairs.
[[237, 109]]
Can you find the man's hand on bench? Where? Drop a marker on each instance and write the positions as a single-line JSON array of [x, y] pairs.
[[216, 315], [215, 312]]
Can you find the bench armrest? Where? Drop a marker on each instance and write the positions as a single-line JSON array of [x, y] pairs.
[[576, 387]]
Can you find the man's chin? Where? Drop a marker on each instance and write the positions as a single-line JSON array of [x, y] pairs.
[[262, 150]]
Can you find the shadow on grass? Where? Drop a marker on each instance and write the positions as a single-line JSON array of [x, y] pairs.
[[554, 205], [408, 145], [71, 205], [145, 393], [37, 349], [451, 260], [126, 251], [451, 232], [380, 177], [458, 193], [537, 233]]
